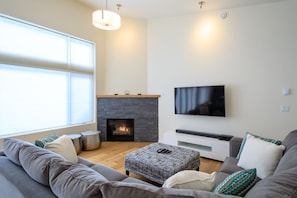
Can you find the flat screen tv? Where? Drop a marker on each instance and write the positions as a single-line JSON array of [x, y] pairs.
[[200, 100]]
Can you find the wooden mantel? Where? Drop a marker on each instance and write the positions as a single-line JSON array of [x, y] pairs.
[[128, 96]]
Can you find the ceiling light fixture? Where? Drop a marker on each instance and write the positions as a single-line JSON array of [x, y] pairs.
[[107, 20], [201, 3]]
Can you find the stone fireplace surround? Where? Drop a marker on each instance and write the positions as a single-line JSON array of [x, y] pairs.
[[142, 108]]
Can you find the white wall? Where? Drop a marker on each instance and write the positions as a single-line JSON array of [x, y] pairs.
[[125, 58], [252, 52]]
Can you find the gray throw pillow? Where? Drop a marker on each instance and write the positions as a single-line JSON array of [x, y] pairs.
[[35, 161], [12, 147], [70, 180], [290, 140]]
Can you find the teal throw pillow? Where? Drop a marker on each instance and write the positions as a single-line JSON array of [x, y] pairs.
[[277, 142], [41, 142], [238, 183]]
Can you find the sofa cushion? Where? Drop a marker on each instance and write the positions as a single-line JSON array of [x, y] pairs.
[[128, 190], [230, 165], [41, 142], [16, 183], [260, 154], [136, 181], [238, 183], [289, 160], [277, 142], [283, 184], [63, 146], [35, 161], [109, 173], [74, 180], [190, 179], [12, 147], [290, 140]]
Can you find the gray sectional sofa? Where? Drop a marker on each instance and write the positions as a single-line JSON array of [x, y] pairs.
[[30, 171]]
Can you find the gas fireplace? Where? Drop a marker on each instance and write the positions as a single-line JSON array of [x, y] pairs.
[[120, 129]]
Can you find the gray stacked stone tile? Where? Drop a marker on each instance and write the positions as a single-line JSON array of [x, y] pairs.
[[144, 111]]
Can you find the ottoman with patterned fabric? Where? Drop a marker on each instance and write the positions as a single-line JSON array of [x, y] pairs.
[[159, 161]]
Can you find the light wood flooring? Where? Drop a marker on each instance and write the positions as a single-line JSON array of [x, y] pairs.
[[112, 155]]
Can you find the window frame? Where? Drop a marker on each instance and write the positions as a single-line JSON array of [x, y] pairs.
[[54, 66]]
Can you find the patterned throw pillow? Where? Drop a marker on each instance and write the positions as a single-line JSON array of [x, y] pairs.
[[277, 142], [238, 183]]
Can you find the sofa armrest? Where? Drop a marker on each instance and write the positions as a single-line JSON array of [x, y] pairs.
[[235, 143]]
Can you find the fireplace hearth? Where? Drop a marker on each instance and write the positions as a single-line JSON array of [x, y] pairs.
[[120, 129]]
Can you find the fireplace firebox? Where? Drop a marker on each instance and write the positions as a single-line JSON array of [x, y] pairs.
[[120, 129]]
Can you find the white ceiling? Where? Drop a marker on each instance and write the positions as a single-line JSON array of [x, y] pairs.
[[165, 8]]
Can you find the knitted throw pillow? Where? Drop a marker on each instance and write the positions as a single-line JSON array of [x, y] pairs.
[[238, 183]]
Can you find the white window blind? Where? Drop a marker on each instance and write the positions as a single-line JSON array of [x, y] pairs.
[[46, 78]]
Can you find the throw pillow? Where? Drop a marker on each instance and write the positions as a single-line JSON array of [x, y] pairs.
[[277, 142], [12, 148], [290, 140], [41, 142], [63, 146], [74, 180], [238, 183], [190, 179], [35, 161], [262, 155]]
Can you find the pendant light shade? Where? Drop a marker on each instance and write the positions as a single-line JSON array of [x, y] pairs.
[[106, 20]]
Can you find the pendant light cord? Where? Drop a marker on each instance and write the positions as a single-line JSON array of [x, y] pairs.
[[103, 9]]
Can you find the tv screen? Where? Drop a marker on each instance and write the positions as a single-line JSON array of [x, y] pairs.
[[202, 100]]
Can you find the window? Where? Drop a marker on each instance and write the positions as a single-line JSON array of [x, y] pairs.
[[47, 78]]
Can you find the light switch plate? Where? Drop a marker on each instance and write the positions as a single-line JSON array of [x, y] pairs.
[[286, 91], [285, 108]]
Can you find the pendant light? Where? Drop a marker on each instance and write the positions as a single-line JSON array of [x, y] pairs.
[[106, 20]]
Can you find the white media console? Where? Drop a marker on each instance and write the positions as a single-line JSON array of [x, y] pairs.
[[209, 145]]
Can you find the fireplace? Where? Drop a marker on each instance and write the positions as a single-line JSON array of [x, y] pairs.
[[120, 129], [143, 109]]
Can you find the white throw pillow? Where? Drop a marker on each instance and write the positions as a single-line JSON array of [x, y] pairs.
[[63, 146], [262, 155], [190, 179]]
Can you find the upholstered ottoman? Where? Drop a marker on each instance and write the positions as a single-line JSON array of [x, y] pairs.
[[157, 164]]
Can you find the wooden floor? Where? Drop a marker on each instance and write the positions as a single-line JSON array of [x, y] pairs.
[[112, 154]]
